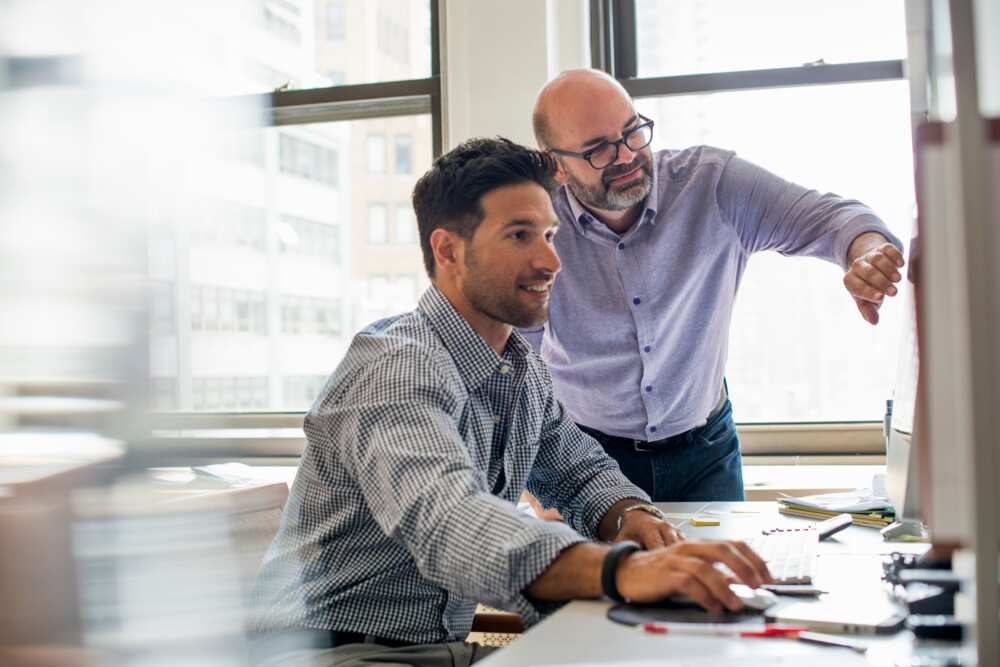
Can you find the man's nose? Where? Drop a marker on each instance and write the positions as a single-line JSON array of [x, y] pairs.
[[625, 154], [546, 259]]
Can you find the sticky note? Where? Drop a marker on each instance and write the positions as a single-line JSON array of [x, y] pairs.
[[704, 521]]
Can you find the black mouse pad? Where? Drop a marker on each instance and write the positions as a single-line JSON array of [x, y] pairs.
[[676, 612]]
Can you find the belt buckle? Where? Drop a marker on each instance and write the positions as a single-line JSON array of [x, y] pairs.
[[643, 446]]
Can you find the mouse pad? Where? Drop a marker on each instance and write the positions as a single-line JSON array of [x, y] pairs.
[[676, 612]]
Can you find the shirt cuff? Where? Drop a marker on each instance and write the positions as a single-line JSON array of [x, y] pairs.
[[855, 227]]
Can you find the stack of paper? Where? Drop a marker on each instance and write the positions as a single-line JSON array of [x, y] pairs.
[[865, 508]]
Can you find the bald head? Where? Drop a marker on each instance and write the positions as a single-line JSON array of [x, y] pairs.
[[569, 99]]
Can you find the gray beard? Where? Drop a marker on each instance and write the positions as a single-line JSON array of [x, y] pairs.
[[611, 200]]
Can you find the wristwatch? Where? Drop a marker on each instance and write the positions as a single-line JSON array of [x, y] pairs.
[[649, 509]]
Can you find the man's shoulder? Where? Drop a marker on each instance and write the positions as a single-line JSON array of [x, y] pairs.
[[686, 163], [389, 355]]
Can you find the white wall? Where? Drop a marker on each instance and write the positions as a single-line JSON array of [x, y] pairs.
[[491, 79]]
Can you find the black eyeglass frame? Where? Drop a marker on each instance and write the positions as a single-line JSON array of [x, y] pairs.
[[588, 154]]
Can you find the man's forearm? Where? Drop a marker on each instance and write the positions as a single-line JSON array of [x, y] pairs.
[[576, 573]]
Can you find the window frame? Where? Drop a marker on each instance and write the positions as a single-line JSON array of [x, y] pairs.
[[383, 99], [614, 49]]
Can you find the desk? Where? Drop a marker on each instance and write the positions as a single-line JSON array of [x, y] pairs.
[[849, 567]]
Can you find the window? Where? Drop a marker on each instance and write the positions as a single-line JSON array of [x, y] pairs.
[[301, 390], [309, 238], [393, 38], [378, 227], [406, 225], [404, 154], [224, 309], [696, 37], [335, 22], [376, 154], [828, 99], [281, 27], [308, 160], [310, 316], [229, 393], [304, 197]]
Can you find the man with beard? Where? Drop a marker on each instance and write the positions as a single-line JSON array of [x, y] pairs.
[[403, 515], [653, 246]]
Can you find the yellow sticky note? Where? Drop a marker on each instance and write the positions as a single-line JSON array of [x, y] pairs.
[[704, 521]]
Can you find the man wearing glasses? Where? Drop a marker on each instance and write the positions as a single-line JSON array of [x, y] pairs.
[[653, 247]]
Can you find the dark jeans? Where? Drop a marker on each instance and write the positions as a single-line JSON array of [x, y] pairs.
[[701, 464]]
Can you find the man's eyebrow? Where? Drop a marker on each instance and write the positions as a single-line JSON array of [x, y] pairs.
[[600, 140], [522, 222]]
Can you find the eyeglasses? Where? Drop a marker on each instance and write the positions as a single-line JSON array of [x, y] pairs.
[[606, 154]]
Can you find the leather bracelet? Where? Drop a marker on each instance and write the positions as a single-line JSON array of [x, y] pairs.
[[609, 568]]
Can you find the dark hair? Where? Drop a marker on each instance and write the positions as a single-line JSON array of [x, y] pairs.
[[449, 195]]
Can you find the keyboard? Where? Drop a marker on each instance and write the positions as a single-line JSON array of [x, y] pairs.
[[790, 554]]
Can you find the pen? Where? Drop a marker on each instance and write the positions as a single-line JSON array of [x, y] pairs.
[[800, 633], [710, 630]]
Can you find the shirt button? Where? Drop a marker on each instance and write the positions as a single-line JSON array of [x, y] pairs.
[[504, 369], [649, 388], [646, 349], [652, 429], [637, 301], [621, 246], [496, 419]]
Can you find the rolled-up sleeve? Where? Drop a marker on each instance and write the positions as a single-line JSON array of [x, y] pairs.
[[573, 473], [770, 213], [417, 479]]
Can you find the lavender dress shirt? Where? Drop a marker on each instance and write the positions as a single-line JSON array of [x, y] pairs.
[[637, 335]]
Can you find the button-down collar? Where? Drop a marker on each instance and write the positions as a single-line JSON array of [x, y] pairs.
[[474, 358]]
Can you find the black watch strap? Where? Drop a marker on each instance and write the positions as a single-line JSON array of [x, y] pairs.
[[609, 568]]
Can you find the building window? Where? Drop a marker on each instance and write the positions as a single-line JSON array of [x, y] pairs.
[[310, 316], [308, 160], [376, 154], [406, 225], [229, 393], [393, 38], [301, 390], [378, 227], [229, 223], [162, 315], [335, 22], [310, 238], [404, 154], [164, 393], [224, 309]]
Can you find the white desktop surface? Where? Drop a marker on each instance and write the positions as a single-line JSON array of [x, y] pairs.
[[849, 567]]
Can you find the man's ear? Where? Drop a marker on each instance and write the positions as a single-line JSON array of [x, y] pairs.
[[446, 247], [560, 175]]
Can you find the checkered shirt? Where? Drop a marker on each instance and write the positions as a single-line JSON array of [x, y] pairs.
[[403, 513]]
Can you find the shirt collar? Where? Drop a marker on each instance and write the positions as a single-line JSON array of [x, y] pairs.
[[475, 359], [582, 218]]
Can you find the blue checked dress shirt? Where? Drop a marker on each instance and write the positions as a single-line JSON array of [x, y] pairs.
[[403, 512]]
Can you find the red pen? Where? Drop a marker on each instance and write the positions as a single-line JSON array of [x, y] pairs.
[[798, 632], [718, 630]]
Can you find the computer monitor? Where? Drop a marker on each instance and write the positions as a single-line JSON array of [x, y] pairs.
[[902, 452]]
